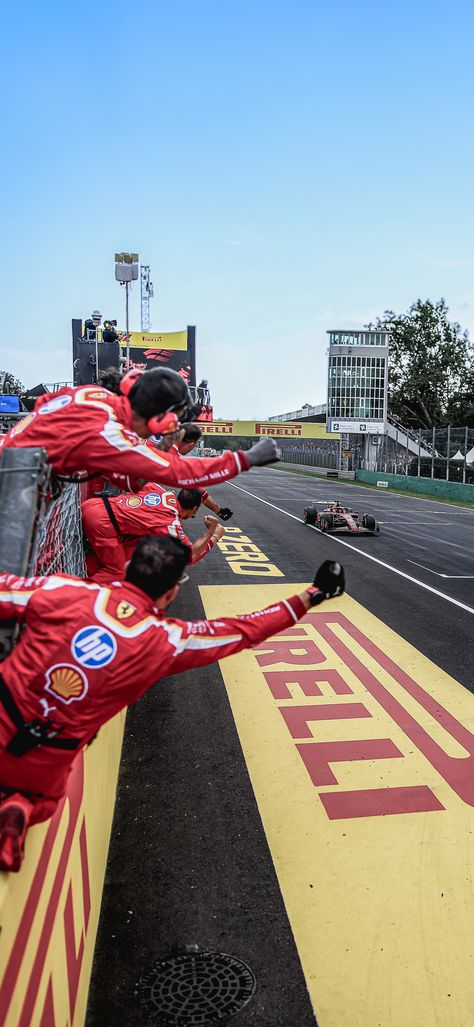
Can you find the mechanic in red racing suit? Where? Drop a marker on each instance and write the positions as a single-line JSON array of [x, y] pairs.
[[113, 526], [86, 652], [190, 435], [96, 430]]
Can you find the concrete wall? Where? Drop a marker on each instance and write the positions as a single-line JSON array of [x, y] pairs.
[[425, 486]]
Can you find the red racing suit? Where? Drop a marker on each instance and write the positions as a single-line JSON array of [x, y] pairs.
[[90, 429], [153, 510], [86, 653], [174, 454]]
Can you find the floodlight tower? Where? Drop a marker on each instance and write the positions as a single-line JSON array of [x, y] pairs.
[[146, 293], [126, 271]]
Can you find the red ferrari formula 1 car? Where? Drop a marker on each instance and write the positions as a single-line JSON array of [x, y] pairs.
[[339, 519]]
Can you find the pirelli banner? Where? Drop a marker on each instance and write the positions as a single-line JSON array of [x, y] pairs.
[[165, 349], [277, 429]]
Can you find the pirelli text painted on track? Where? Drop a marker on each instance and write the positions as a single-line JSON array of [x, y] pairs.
[[244, 557], [361, 756]]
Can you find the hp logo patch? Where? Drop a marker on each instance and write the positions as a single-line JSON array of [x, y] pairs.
[[55, 404], [93, 647], [153, 499]]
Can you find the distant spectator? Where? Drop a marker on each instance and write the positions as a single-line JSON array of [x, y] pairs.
[[91, 326], [109, 332]]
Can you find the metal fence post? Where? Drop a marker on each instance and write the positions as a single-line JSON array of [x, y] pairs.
[[465, 455], [447, 453], [433, 442], [419, 451], [406, 454]]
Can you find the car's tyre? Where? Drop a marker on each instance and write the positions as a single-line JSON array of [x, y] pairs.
[[326, 522], [310, 514], [369, 522]]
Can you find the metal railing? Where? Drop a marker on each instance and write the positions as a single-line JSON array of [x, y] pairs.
[[40, 522]]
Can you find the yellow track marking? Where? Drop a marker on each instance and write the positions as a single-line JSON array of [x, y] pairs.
[[369, 812]]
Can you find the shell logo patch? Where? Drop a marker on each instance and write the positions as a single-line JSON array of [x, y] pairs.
[[66, 683], [22, 425], [133, 501], [96, 394], [125, 610]]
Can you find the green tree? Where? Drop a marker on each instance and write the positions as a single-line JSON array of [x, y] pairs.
[[11, 386], [431, 379]]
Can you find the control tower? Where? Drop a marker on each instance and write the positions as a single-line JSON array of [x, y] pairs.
[[358, 386]]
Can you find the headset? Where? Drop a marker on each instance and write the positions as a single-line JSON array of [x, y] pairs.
[[163, 423]]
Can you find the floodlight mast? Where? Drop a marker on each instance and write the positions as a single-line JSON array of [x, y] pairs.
[[146, 293], [126, 271]]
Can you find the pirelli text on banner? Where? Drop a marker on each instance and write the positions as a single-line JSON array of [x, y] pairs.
[[280, 429]]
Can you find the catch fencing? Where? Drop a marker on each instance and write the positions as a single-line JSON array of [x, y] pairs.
[[439, 453], [311, 453], [40, 522], [442, 453]]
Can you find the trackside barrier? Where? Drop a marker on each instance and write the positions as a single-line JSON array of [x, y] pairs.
[[286, 465], [49, 911], [425, 486]]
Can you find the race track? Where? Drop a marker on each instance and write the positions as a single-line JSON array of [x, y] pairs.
[[308, 807]]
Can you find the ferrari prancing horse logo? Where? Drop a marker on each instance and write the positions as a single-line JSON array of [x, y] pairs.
[[125, 610]]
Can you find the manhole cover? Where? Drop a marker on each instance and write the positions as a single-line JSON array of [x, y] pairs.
[[195, 989]]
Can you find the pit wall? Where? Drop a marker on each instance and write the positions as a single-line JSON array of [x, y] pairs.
[[425, 486], [286, 465], [49, 911]]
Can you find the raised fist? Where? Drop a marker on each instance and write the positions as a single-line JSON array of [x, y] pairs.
[[329, 580], [263, 452], [224, 513]]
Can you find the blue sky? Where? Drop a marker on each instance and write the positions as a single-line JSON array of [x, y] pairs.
[[284, 168]]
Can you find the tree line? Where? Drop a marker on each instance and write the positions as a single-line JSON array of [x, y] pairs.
[[431, 367]]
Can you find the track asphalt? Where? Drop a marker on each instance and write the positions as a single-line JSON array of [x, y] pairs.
[[219, 837]]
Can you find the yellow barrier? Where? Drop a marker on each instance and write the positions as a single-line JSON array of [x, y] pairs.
[[49, 911], [276, 429]]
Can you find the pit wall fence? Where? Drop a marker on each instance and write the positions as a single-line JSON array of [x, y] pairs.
[[49, 911]]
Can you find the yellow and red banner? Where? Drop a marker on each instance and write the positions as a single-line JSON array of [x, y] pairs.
[[276, 429], [158, 340]]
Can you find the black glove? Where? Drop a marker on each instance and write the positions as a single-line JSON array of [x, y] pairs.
[[224, 513], [263, 452], [329, 581]]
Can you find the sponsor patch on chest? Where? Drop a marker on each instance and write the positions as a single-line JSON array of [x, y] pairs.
[[93, 647]]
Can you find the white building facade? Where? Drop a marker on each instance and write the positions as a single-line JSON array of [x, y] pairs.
[[357, 382]]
